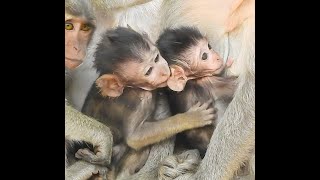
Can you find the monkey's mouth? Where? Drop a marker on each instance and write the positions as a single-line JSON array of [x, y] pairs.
[[72, 63], [73, 60], [164, 84], [219, 70], [210, 72]]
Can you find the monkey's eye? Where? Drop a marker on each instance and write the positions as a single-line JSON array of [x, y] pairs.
[[85, 27], [209, 46], [157, 58], [68, 26], [204, 56], [149, 71]]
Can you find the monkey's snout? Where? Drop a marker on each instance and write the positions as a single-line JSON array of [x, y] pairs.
[[165, 74]]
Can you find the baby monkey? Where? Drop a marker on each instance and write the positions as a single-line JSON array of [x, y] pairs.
[[196, 71], [126, 97]]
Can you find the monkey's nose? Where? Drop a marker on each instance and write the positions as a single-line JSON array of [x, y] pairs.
[[216, 57]]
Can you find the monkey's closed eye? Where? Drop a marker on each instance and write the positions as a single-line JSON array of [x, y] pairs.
[[85, 27], [157, 58], [209, 46], [204, 56], [68, 26], [149, 71]]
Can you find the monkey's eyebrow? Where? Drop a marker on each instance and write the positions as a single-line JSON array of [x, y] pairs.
[[72, 20]]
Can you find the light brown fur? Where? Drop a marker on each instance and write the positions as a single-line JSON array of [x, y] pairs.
[[211, 17], [79, 127]]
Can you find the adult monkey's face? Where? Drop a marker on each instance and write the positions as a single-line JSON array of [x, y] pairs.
[[77, 35]]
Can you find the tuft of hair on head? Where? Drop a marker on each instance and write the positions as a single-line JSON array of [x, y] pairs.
[[173, 42], [118, 46], [80, 8]]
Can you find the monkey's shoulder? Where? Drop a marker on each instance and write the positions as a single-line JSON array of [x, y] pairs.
[[130, 99], [210, 84], [138, 95]]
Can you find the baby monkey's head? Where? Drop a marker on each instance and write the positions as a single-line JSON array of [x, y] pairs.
[[125, 58], [189, 56]]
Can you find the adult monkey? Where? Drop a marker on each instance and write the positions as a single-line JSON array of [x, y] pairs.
[[230, 27], [78, 127]]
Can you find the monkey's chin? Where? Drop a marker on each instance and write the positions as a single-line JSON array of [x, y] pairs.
[[161, 85], [164, 84], [72, 63]]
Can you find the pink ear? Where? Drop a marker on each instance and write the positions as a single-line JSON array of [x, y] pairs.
[[177, 81], [110, 85]]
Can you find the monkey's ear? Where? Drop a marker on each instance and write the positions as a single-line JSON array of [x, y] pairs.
[[177, 81], [110, 85]]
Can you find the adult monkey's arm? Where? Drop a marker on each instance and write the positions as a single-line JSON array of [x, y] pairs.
[[79, 127]]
